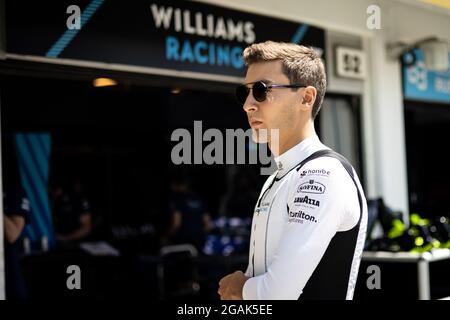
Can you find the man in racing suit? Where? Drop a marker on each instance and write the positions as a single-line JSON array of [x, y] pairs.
[[310, 220]]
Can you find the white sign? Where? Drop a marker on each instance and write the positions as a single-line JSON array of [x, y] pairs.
[[350, 63]]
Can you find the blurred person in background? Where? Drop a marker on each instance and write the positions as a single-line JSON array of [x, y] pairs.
[[239, 200], [16, 212], [189, 220], [71, 212]]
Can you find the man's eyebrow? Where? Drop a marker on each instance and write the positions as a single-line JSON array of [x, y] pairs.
[[266, 81]]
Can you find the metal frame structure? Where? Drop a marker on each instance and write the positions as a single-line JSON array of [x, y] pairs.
[[422, 260]]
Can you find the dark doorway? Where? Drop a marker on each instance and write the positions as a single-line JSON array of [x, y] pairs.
[[427, 130]]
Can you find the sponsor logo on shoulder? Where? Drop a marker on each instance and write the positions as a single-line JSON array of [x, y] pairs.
[[315, 172], [306, 200], [263, 208], [311, 186], [280, 166], [300, 217]]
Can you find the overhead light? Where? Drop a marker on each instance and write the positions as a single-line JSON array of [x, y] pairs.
[[435, 52], [104, 82], [175, 91]]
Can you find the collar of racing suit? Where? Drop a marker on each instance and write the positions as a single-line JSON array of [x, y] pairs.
[[292, 157]]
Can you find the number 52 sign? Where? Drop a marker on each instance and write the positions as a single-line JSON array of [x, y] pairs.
[[350, 63]]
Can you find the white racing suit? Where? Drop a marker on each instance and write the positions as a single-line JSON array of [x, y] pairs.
[[308, 228]]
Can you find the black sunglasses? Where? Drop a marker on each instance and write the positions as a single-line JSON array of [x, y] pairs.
[[259, 90]]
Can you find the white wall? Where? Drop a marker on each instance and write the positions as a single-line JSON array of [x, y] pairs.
[[385, 133], [382, 110], [334, 15], [408, 22], [403, 19]]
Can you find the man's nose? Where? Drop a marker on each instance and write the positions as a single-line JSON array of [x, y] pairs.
[[250, 103]]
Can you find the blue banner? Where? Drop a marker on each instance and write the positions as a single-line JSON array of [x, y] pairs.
[[423, 84], [33, 153]]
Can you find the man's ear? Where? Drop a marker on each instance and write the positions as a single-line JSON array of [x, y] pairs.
[[309, 97]]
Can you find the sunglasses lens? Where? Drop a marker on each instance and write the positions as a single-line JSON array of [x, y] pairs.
[[259, 91], [241, 94]]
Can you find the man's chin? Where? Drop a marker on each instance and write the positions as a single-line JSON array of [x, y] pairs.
[[260, 135]]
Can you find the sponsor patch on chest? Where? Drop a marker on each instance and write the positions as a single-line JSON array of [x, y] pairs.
[[311, 186], [306, 200]]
